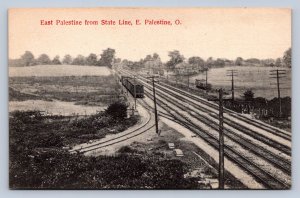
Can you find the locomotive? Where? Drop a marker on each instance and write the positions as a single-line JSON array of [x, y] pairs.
[[131, 84]]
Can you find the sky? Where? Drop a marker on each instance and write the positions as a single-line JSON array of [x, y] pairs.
[[206, 32]]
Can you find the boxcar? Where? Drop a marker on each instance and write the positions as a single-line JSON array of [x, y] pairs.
[[139, 88], [201, 84], [130, 84]]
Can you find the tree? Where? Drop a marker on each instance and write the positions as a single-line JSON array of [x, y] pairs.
[[253, 61], [197, 62], [44, 59], [287, 58], [27, 58], [67, 59], [270, 62], [249, 95], [117, 60], [278, 62], [210, 62], [107, 57], [91, 59], [175, 58], [124, 62], [239, 61], [152, 63], [155, 56], [219, 63], [117, 110], [79, 60], [56, 60]]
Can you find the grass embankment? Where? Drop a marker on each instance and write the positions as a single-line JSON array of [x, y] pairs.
[[84, 90], [37, 159]]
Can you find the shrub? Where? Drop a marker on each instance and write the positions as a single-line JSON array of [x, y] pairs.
[[117, 110]]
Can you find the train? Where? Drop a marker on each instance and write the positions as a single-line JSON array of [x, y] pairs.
[[201, 84], [130, 84]]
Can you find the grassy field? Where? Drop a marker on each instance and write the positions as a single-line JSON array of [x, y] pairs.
[[246, 77], [84, 90], [58, 70], [84, 85]]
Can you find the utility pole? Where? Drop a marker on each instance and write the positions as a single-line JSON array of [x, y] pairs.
[[134, 92], [188, 79], [232, 73], [221, 139], [206, 88], [188, 74], [278, 73], [154, 99], [167, 76], [206, 79]]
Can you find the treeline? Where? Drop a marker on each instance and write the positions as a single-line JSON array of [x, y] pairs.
[[178, 62], [284, 61], [107, 58]]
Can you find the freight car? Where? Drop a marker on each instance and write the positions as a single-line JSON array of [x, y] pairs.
[[131, 85], [201, 84]]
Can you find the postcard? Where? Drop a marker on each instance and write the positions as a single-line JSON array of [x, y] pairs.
[[150, 98]]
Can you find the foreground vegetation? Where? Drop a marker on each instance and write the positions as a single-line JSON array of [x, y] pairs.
[[38, 160]]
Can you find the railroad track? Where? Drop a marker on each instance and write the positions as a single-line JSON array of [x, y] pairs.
[[237, 126], [266, 178], [247, 130], [258, 124], [253, 122], [271, 157], [116, 140]]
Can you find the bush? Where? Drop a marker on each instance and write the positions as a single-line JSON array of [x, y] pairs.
[[117, 110], [126, 149], [249, 95]]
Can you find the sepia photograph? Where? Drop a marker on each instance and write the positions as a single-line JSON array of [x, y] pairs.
[[150, 98]]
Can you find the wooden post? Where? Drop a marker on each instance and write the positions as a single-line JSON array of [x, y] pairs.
[[155, 110], [134, 93], [278, 73], [278, 90], [221, 141]]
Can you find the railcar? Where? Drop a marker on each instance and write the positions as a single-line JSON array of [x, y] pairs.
[[201, 84], [132, 85]]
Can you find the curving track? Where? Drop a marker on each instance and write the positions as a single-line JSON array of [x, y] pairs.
[[134, 133]]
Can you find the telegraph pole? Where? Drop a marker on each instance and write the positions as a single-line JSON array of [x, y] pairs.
[[278, 73], [206, 79], [188, 79], [232, 73], [134, 93], [206, 88], [154, 99], [221, 140]]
